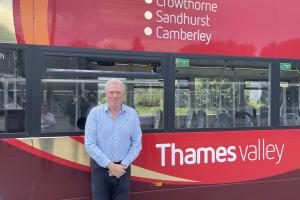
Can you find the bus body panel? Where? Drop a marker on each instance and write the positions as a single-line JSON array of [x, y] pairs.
[[252, 28], [28, 175], [274, 190], [50, 169], [245, 164]]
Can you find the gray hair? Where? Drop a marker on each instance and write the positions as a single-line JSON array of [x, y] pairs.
[[114, 81]]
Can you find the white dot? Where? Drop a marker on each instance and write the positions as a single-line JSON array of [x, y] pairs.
[[148, 15], [148, 1], [148, 31]]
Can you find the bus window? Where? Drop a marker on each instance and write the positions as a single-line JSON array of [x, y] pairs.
[[12, 91], [212, 93], [290, 94], [70, 96]]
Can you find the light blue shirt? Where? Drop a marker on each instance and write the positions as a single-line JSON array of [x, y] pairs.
[[113, 140]]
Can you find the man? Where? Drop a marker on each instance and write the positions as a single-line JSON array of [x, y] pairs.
[[47, 118], [113, 140]]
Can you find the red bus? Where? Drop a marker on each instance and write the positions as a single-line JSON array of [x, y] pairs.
[[216, 85]]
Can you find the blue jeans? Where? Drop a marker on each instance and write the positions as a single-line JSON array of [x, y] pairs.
[[105, 187]]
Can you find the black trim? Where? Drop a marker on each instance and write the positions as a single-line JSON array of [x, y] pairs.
[[170, 93], [29, 90], [105, 74], [34, 62], [35, 91], [274, 78]]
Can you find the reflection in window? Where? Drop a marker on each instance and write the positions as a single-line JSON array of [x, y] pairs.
[[65, 101], [102, 64], [69, 99], [12, 91], [221, 94], [148, 102], [290, 94]]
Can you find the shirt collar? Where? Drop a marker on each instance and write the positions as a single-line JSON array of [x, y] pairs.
[[123, 109]]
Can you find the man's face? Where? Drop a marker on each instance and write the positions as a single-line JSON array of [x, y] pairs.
[[114, 95], [45, 109]]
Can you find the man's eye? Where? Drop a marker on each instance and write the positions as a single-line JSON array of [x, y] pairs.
[[117, 93]]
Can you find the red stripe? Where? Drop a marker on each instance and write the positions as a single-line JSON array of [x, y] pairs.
[[17, 22], [79, 139], [45, 155], [149, 180], [52, 20]]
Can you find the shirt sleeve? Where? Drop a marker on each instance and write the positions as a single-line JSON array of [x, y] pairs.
[[90, 140], [136, 143]]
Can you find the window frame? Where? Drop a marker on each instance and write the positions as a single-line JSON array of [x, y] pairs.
[[273, 78], [34, 62], [26, 62], [291, 61], [78, 52]]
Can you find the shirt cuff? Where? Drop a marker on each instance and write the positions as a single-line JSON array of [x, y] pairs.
[[106, 163], [125, 163]]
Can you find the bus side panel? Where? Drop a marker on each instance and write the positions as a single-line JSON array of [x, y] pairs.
[[15, 173], [273, 190], [26, 174], [233, 29], [188, 158], [54, 181]]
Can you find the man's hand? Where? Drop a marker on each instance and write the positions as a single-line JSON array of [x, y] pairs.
[[116, 170]]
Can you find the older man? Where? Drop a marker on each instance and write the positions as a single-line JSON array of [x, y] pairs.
[[113, 140]]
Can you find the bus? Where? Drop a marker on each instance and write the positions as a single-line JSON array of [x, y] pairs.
[[216, 85]]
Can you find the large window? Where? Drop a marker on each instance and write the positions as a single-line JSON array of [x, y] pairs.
[[203, 93], [212, 93], [12, 91], [73, 85], [290, 94]]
